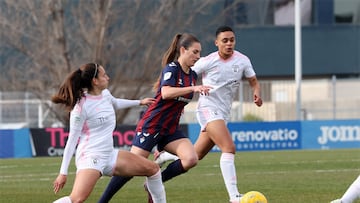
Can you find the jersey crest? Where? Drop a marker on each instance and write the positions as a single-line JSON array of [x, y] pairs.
[[167, 75]]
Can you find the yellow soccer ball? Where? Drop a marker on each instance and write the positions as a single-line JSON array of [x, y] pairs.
[[253, 197]]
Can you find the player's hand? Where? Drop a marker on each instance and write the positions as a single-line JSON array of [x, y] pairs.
[[147, 101], [59, 183], [202, 89], [257, 100]]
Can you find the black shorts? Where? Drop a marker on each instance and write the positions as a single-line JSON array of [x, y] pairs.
[[147, 142]]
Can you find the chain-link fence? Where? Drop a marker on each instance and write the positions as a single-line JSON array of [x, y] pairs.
[[321, 99]]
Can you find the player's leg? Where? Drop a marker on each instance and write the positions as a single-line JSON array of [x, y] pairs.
[[115, 184], [203, 145], [134, 163], [220, 135], [352, 193], [137, 165], [129, 164], [84, 183], [184, 149], [121, 176]]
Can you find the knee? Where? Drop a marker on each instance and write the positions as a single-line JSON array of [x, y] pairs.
[[153, 168], [229, 149], [189, 162]]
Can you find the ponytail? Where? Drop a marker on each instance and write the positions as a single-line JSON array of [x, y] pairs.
[[173, 52], [72, 89]]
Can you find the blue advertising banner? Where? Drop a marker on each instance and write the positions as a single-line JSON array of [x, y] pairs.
[[15, 143], [255, 136], [22, 146], [6, 144], [331, 134]]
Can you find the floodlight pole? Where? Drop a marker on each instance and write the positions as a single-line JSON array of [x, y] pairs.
[[298, 58]]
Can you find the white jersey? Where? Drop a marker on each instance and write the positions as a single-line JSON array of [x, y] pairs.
[[92, 122], [224, 77]]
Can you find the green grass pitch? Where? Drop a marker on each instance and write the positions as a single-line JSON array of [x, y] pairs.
[[307, 176]]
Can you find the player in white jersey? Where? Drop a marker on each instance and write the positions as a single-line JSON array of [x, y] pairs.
[[224, 76], [352, 193], [222, 70], [92, 121]]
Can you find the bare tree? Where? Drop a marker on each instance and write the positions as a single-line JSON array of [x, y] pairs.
[[42, 41]]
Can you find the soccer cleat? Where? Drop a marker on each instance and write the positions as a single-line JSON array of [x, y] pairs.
[[150, 200], [157, 158], [336, 201]]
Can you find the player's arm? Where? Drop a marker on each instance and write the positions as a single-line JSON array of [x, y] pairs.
[[127, 103], [169, 92], [77, 120], [255, 86]]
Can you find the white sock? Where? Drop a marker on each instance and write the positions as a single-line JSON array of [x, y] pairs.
[[156, 188], [353, 192], [166, 156], [228, 171], [63, 200]]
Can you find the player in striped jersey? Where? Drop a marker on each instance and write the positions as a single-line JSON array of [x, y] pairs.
[[159, 124]]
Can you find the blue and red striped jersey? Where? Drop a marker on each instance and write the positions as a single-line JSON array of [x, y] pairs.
[[163, 116]]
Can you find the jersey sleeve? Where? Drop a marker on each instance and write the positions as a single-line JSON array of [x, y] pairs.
[[77, 119], [200, 65], [169, 75], [120, 103], [249, 70]]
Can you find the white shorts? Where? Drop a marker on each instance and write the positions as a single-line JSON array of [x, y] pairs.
[[205, 115], [104, 164]]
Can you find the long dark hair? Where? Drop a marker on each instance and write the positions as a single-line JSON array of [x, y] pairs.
[[172, 54], [72, 89]]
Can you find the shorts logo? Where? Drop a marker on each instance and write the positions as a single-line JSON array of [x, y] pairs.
[[95, 161], [214, 113], [143, 137]]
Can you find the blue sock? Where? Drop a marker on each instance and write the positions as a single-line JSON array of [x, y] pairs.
[[173, 169], [115, 184]]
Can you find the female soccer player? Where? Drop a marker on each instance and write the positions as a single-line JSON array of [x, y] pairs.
[[222, 70], [92, 121], [159, 124]]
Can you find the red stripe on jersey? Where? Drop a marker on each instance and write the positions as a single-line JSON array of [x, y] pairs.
[[163, 116]]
